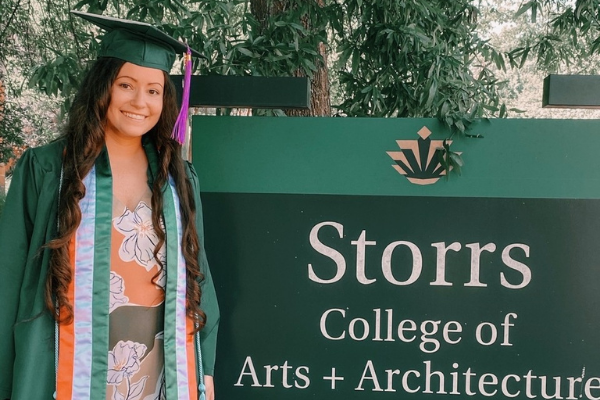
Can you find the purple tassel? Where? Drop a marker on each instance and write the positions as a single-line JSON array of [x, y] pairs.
[[179, 129]]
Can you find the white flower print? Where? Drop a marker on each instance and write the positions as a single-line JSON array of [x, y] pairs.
[[124, 361], [117, 287], [140, 237]]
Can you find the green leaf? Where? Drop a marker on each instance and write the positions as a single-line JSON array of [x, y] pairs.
[[524, 8], [355, 61], [534, 10], [245, 51], [309, 64], [490, 107], [456, 159], [431, 93], [524, 56], [80, 4], [503, 113], [298, 27]]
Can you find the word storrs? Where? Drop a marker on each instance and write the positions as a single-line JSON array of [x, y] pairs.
[[442, 249]]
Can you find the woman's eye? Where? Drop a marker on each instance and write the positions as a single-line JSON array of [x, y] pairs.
[[154, 91], [125, 85]]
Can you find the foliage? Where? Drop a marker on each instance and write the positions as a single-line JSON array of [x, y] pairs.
[[524, 83], [396, 58], [11, 126], [26, 118], [275, 46], [392, 58], [568, 33], [415, 59]]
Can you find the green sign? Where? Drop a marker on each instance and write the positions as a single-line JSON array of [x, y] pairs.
[[341, 278]]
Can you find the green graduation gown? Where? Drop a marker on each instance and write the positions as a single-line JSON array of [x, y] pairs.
[[29, 221]]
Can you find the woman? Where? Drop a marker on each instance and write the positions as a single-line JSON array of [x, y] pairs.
[[105, 285]]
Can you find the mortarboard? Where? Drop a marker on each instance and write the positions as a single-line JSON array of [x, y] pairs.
[[137, 42], [147, 46]]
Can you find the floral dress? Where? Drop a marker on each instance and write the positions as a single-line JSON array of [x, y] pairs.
[[135, 357]]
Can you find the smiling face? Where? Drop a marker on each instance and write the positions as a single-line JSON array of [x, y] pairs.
[[136, 102]]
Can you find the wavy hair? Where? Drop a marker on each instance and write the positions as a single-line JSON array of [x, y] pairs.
[[84, 137]]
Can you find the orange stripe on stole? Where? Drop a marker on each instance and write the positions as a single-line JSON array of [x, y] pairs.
[[191, 359], [64, 378]]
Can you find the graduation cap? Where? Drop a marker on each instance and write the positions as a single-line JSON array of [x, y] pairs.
[[147, 46]]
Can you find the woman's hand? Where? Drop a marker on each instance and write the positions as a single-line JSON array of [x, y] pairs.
[[210, 387]]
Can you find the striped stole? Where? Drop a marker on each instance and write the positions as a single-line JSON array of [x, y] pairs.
[[83, 344]]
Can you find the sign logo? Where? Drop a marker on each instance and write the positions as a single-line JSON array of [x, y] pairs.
[[419, 160]]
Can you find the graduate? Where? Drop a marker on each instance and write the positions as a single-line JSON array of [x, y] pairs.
[[105, 286]]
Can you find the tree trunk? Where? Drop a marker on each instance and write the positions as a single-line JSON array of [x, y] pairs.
[[320, 105]]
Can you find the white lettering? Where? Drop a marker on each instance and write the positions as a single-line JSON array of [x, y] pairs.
[[483, 382], [417, 264], [327, 251], [440, 269], [448, 331], [390, 377], [428, 375], [589, 386], [505, 391], [426, 336], [369, 374], [361, 244], [476, 260], [302, 374], [365, 329], [323, 324], [251, 371], [493, 333], [405, 386], [506, 324], [516, 265]]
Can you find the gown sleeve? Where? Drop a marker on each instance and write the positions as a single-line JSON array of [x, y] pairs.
[[208, 302], [16, 230]]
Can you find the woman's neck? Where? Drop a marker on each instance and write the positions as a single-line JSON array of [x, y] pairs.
[[123, 148], [129, 166]]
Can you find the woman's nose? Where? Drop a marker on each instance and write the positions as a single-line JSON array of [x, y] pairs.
[[139, 99]]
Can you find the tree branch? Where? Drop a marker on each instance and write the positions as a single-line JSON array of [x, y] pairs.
[[12, 15], [72, 28]]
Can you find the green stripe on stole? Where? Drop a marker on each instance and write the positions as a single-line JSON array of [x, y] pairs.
[[171, 297], [100, 304]]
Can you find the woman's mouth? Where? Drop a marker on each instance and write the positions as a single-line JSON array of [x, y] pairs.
[[133, 116]]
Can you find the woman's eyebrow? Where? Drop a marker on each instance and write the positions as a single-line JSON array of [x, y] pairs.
[[135, 80], [127, 76]]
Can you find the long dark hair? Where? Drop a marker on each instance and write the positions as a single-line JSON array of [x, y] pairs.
[[84, 136]]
